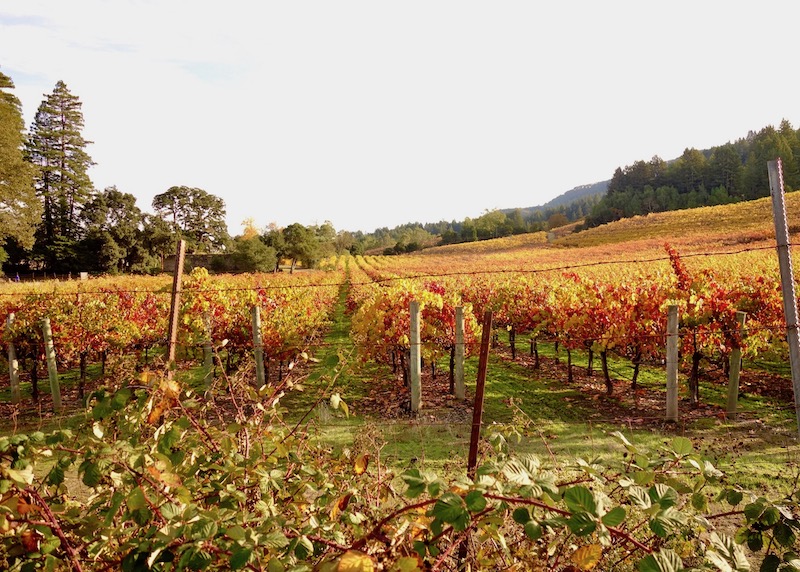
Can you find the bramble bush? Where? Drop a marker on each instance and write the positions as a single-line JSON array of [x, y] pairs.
[[165, 477]]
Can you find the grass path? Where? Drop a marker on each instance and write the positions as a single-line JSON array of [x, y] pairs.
[[536, 411]]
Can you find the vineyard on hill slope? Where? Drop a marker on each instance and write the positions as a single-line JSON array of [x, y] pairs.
[[324, 467]]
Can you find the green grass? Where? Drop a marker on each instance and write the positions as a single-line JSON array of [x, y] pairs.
[[558, 423]]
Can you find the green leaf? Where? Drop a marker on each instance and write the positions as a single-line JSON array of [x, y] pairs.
[[450, 509], [475, 501], [753, 511], [682, 446], [517, 473], [415, 483], [664, 560], [170, 510], [235, 532], [642, 478], [727, 554], [56, 475], [92, 476], [666, 521], [406, 564], [276, 540], [120, 399], [580, 499], [639, 497], [533, 530], [783, 534], [699, 502], [136, 499], [582, 523], [663, 495], [116, 502], [240, 556], [770, 517], [733, 497], [771, 563], [21, 477], [614, 517], [521, 515], [303, 548], [200, 560], [755, 540]]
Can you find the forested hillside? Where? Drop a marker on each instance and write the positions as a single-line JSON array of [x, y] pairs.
[[725, 174]]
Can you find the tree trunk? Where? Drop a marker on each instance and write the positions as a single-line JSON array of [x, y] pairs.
[[535, 353], [569, 366], [35, 379], [606, 376], [82, 379], [637, 360], [590, 362], [404, 369], [512, 340], [694, 380]]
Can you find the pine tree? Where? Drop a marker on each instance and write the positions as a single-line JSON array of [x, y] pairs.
[[19, 208], [57, 148]]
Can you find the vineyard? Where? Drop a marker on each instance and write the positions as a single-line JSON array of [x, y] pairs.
[[290, 442]]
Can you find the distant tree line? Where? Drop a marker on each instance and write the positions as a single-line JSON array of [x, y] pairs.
[[728, 173], [52, 219]]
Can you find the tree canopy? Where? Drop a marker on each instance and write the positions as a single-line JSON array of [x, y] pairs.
[[197, 216], [20, 209]]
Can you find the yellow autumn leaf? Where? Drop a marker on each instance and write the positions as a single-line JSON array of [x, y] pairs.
[[587, 557], [355, 561], [361, 464], [340, 505]]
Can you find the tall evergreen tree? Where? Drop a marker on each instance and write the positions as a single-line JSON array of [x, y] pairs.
[[57, 147], [20, 209]]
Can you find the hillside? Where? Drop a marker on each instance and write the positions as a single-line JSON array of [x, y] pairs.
[[575, 194], [741, 226]]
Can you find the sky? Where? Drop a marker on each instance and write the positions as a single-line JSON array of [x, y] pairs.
[[376, 113]]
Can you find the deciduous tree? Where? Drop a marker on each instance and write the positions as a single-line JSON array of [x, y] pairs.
[[196, 216], [113, 226]]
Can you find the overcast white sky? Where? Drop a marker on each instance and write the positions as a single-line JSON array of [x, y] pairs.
[[373, 113]]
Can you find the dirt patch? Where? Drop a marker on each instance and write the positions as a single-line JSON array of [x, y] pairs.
[[639, 407]]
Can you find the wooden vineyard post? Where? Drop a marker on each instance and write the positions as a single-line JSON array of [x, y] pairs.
[[459, 357], [208, 354], [13, 364], [775, 169], [52, 368], [177, 281], [735, 369], [477, 417], [258, 346], [415, 362], [477, 410], [672, 363]]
